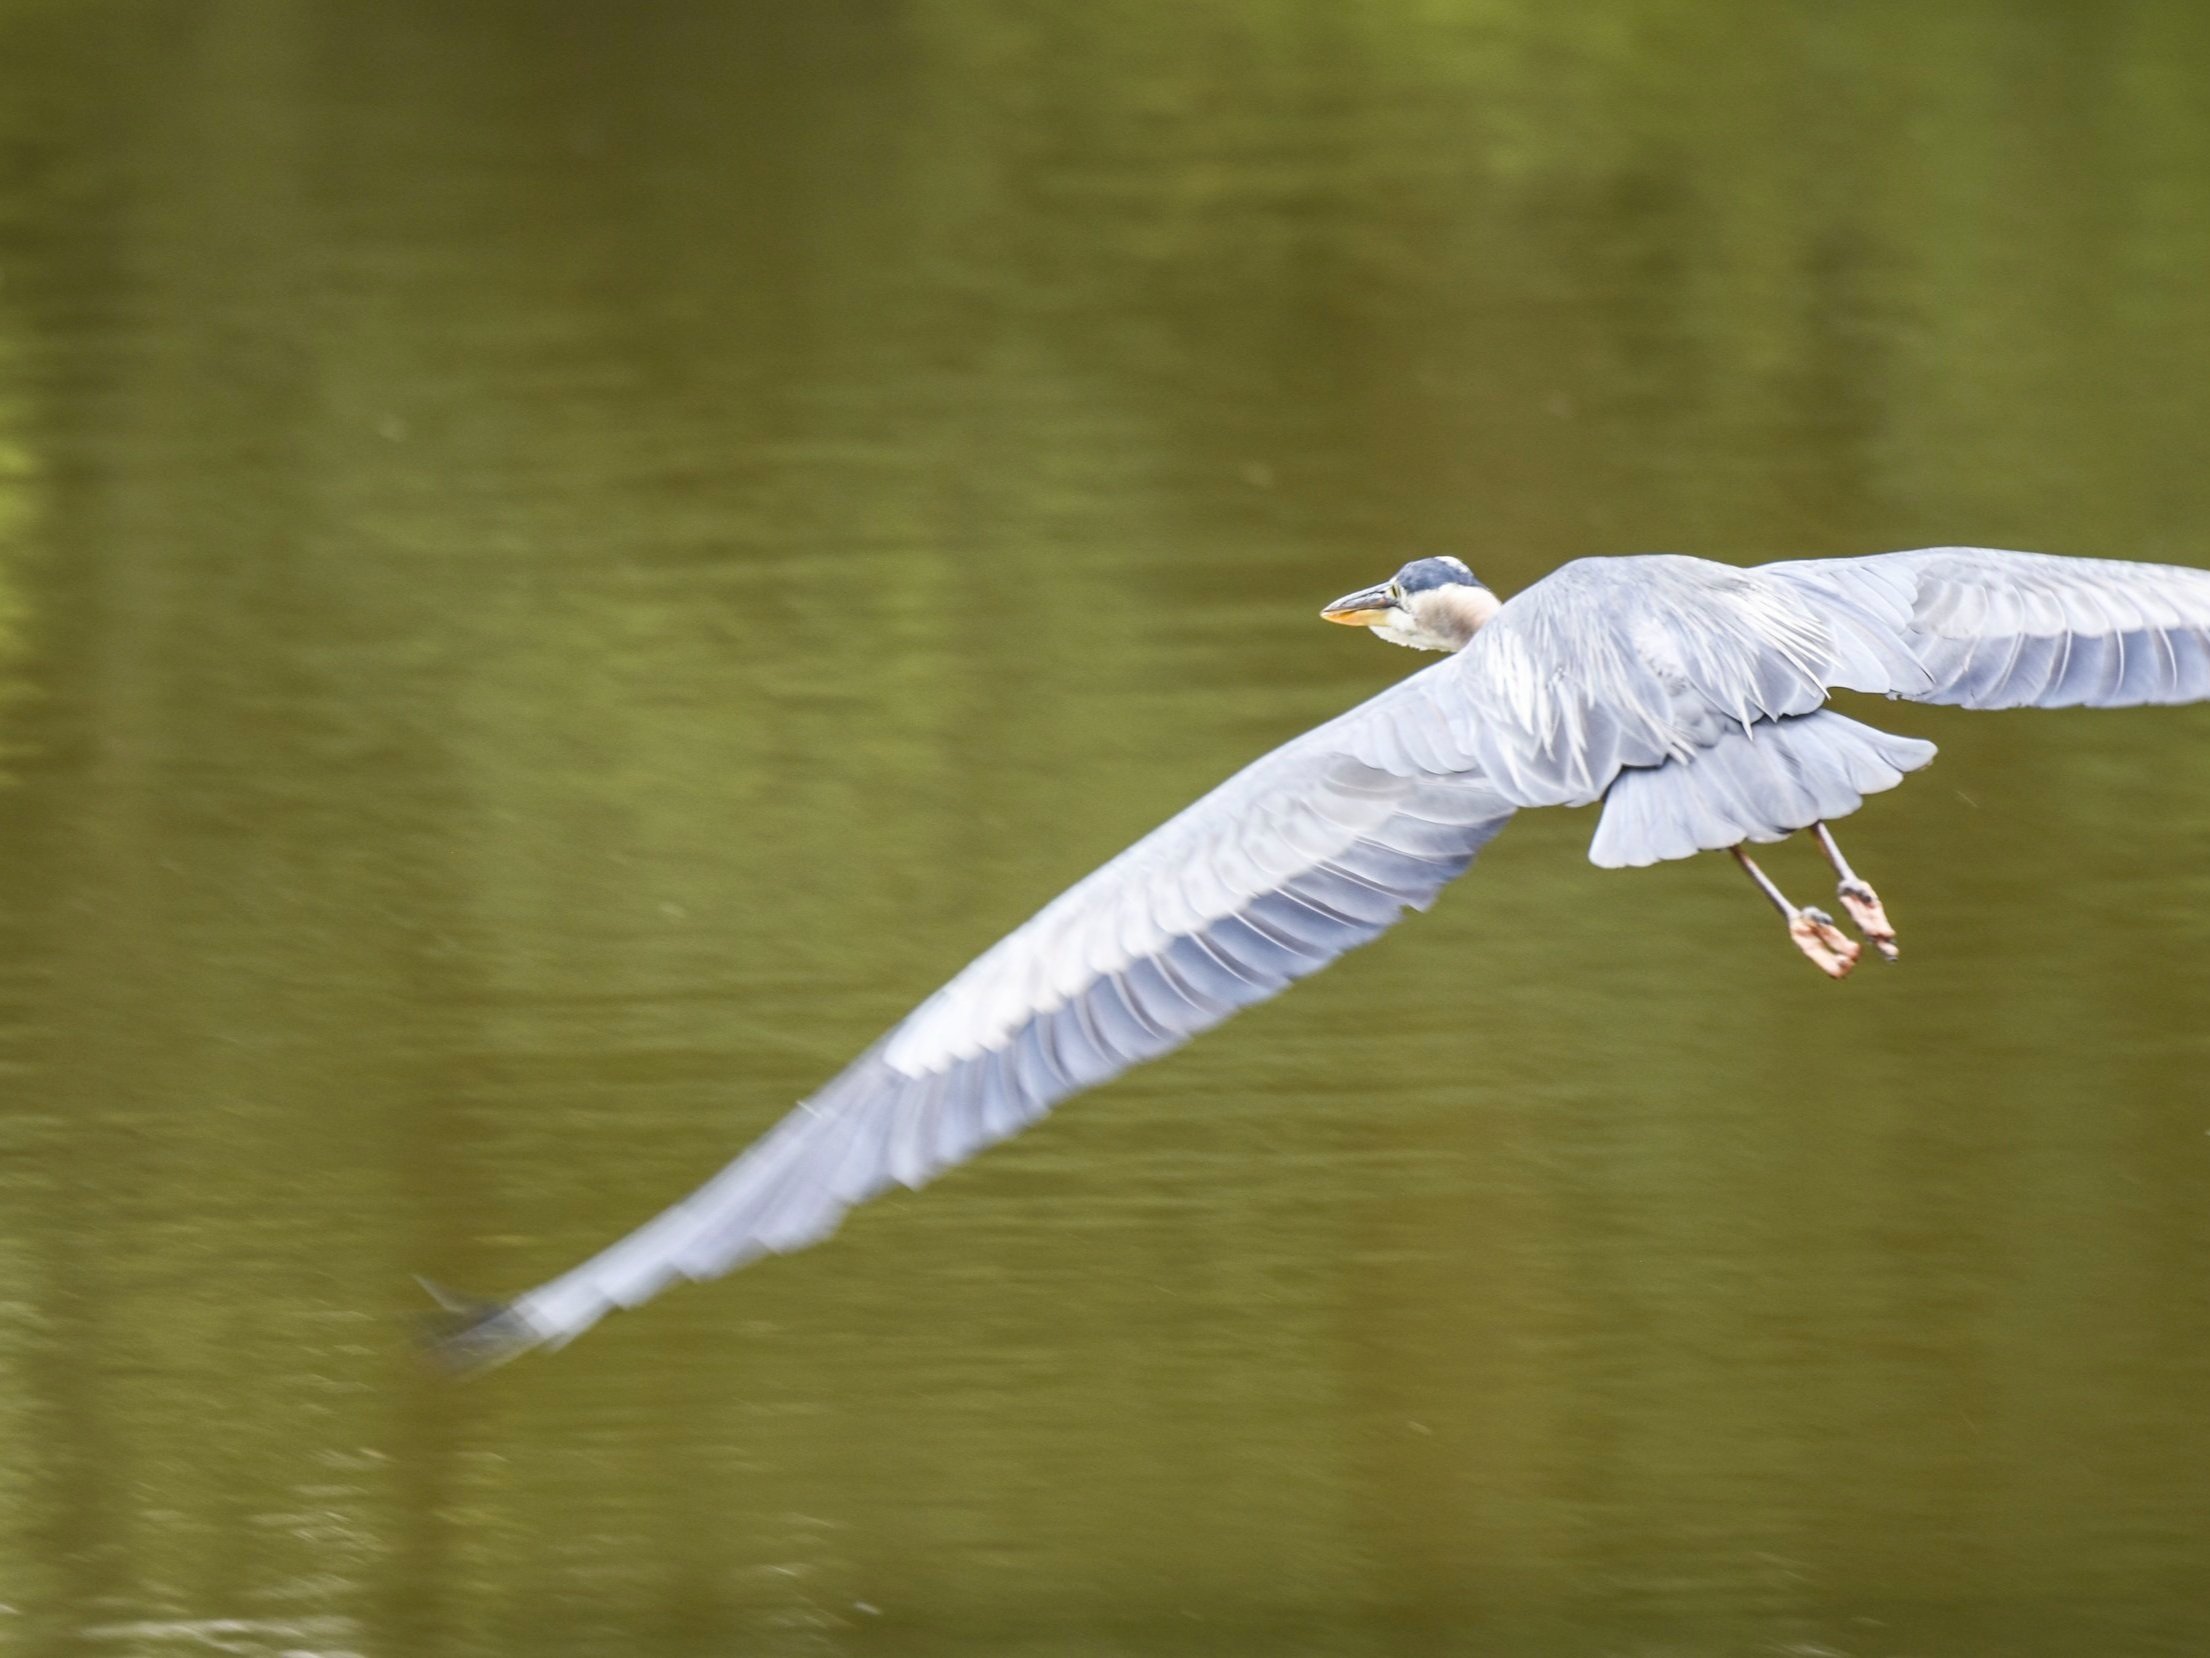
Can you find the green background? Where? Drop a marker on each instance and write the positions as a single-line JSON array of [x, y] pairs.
[[561, 565]]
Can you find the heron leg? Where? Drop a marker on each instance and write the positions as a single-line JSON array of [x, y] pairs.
[[1831, 951], [1858, 897]]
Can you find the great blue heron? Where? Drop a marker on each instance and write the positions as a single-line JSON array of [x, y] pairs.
[[1688, 697]]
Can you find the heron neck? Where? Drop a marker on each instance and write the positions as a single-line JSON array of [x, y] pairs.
[[1458, 613]]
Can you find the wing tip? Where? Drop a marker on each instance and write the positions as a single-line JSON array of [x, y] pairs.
[[466, 1336]]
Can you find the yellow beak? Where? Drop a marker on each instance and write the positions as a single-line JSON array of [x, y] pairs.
[[1361, 609]]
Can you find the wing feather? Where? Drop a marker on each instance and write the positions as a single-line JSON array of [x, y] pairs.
[[1314, 850], [1997, 629]]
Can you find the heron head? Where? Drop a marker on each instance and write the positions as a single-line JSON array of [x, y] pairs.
[[1432, 604]]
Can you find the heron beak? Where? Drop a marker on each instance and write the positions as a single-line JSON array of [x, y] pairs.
[[1361, 609]]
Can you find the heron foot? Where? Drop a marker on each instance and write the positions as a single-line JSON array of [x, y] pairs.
[[1865, 909], [1832, 951]]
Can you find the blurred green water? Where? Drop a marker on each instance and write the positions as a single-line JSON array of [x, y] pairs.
[[561, 567]]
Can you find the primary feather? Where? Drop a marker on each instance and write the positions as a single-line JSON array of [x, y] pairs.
[[1311, 851]]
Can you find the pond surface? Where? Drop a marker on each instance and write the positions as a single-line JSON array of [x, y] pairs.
[[560, 566]]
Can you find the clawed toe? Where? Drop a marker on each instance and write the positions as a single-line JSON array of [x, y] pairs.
[[1865, 909], [1831, 951]]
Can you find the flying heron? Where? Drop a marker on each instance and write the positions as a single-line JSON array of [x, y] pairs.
[[1689, 697]]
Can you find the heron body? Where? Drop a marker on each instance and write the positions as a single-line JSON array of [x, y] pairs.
[[1689, 698]]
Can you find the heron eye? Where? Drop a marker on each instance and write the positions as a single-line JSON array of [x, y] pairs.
[[1396, 593]]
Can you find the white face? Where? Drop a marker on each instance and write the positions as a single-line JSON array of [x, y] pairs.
[[1431, 616], [1416, 623]]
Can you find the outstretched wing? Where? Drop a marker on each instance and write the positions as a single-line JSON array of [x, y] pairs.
[[1996, 629], [1311, 851], [1612, 665]]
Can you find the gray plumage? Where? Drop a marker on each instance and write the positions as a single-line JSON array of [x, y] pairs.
[[1687, 696]]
